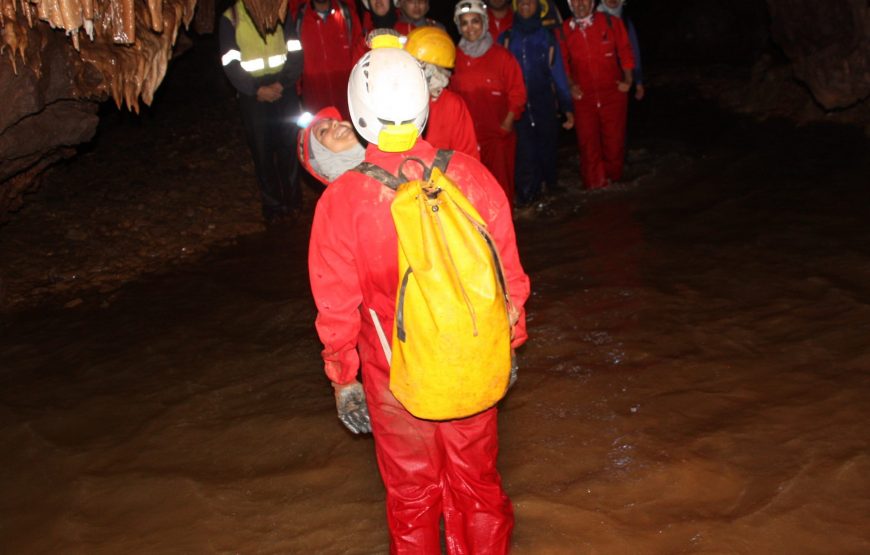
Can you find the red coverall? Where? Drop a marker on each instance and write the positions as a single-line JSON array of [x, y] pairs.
[[492, 85], [499, 26], [450, 126], [328, 58], [595, 58], [429, 468]]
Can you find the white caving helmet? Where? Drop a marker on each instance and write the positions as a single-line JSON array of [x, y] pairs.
[[388, 97], [471, 6]]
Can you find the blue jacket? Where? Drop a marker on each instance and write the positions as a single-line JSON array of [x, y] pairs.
[[537, 52]]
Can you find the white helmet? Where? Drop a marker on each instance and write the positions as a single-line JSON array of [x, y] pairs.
[[471, 6], [388, 97]]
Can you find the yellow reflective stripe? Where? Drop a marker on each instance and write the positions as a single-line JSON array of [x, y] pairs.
[[276, 61], [231, 56], [294, 45]]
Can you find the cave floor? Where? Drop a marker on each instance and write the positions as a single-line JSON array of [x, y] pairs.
[[696, 379]]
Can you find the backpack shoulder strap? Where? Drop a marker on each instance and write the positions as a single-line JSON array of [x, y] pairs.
[[378, 174], [442, 159], [507, 38]]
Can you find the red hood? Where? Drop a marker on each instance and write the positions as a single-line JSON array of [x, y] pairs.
[[303, 142]]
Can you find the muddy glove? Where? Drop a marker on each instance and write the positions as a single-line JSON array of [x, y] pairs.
[[514, 369], [350, 400]]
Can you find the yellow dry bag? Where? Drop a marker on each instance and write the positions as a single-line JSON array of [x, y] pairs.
[[450, 354]]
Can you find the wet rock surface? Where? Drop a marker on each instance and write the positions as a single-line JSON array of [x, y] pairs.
[[151, 190]]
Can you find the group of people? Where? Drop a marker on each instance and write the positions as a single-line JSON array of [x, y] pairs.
[[492, 104], [519, 72]]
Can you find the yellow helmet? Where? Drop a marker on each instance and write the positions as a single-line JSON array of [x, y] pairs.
[[432, 45], [545, 7]]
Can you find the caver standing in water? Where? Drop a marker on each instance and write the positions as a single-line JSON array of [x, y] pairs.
[[538, 54], [264, 72], [599, 62], [616, 8], [490, 81], [430, 469]]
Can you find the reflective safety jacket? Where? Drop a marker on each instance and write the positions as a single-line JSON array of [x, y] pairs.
[[331, 44], [450, 126], [596, 56], [491, 85], [251, 61], [353, 256]]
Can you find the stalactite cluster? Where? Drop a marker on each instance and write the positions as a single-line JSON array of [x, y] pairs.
[[128, 42]]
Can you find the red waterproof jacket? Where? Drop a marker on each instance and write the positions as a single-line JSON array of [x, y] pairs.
[[450, 126], [499, 26], [491, 86], [596, 56], [329, 46], [353, 256]]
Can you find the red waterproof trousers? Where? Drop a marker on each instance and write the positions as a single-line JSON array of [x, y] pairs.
[[429, 469], [596, 58], [599, 121]]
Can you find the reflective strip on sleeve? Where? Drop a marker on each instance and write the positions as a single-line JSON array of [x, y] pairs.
[[277, 61], [294, 45], [231, 56]]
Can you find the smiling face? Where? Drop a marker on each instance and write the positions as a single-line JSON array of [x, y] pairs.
[[414, 9], [527, 8], [380, 7], [581, 8], [335, 135], [612, 4], [470, 26]]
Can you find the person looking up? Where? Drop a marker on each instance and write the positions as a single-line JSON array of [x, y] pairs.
[[264, 71], [615, 8], [450, 126], [501, 17], [328, 146], [599, 62], [490, 81], [537, 52], [412, 14], [431, 469]]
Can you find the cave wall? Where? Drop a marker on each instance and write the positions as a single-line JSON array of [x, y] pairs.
[[828, 44]]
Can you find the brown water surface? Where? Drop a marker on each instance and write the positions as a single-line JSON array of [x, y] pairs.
[[696, 379]]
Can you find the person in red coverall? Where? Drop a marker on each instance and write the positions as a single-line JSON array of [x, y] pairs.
[[490, 81], [450, 126], [430, 469], [598, 56], [501, 17], [331, 37]]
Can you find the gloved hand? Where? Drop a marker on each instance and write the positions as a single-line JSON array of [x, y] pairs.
[[514, 369], [350, 400]]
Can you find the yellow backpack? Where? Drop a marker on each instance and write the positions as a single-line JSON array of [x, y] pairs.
[[450, 355]]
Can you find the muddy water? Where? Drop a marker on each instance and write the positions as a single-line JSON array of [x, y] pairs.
[[696, 381]]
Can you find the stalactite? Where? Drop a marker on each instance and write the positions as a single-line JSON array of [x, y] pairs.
[[128, 42]]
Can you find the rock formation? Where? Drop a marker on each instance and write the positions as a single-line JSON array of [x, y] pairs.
[[59, 58], [828, 44]]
